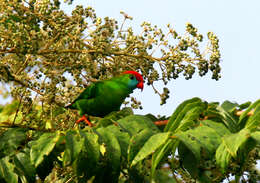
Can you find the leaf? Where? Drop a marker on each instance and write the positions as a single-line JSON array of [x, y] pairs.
[[111, 171], [24, 166], [254, 121], [133, 124], [74, 145], [230, 120], [230, 146], [47, 165], [137, 141], [229, 106], [86, 163], [43, 147], [234, 141], [169, 145], [7, 171], [217, 126], [49, 159], [244, 105], [190, 118], [190, 109], [200, 137], [188, 160], [222, 157], [10, 140], [256, 136], [244, 150], [151, 146], [243, 117], [151, 117], [116, 115], [91, 145], [122, 137]]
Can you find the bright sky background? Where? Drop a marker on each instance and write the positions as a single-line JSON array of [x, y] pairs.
[[236, 24]]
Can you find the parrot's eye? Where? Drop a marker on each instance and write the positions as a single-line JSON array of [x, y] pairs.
[[132, 77]]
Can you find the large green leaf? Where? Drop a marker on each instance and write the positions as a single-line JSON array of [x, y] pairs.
[[244, 105], [137, 141], [43, 147], [133, 124], [191, 117], [74, 144], [169, 145], [91, 145], [188, 160], [222, 157], [234, 141], [151, 146], [229, 119], [111, 170], [244, 150], [229, 106], [7, 171], [123, 138], [217, 126], [47, 165], [10, 140], [230, 146], [86, 163], [24, 166], [200, 137], [186, 112]]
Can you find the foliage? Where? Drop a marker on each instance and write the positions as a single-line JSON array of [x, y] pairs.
[[198, 143], [48, 56]]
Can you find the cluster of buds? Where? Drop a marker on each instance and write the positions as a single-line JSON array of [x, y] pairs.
[[48, 48]]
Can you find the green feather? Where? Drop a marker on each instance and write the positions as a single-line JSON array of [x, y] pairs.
[[103, 97]]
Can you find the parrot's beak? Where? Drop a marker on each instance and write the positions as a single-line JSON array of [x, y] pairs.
[[140, 85]]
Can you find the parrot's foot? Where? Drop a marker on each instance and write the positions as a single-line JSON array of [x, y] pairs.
[[84, 118]]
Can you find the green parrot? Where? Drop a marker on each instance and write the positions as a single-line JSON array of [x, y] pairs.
[[102, 97]]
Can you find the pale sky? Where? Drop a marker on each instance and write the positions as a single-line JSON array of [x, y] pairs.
[[236, 24]]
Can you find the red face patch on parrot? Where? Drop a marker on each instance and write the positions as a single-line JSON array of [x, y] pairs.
[[139, 77]]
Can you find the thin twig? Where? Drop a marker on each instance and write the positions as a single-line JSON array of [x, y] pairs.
[[239, 113], [70, 179], [155, 90], [89, 79], [161, 123]]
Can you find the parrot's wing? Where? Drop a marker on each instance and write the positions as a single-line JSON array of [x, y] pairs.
[[90, 92]]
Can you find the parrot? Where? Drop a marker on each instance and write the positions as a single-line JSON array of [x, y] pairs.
[[102, 97]]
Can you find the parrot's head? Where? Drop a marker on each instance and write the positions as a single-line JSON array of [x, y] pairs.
[[135, 79]]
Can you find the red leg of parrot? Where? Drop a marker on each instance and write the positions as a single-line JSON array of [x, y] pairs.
[[84, 118]]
